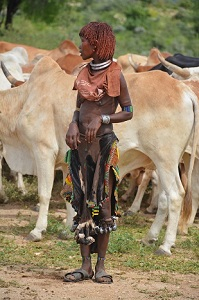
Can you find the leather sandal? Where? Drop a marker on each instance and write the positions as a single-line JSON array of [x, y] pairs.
[[79, 275], [102, 274]]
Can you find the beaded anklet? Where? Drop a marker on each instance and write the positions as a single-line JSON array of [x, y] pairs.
[[101, 258], [86, 258]]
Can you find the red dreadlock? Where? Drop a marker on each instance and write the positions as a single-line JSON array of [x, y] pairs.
[[103, 33]]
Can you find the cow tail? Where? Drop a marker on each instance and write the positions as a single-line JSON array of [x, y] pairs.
[[187, 203]]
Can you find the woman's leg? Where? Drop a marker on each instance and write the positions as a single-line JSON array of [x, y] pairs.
[[86, 258], [86, 266], [103, 239]]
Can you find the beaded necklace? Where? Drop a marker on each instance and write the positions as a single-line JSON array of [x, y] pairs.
[[100, 66]]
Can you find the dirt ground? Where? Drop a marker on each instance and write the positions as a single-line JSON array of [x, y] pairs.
[[34, 285], [19, 283]]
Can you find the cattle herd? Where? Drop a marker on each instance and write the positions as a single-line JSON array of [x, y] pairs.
[[160, 142]]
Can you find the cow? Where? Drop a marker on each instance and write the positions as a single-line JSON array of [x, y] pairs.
[[137, 63], [147, 176], [18, 53], [32, 51], [189, 76], [149, 141], [71, 61], [12, 58], [66, 55], [126, 61], [134, 179], [37, 130], [64, 48], [177, 59], [183, 227], [33, 131]]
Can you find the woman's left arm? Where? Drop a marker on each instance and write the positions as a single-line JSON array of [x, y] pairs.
[[125, 102]]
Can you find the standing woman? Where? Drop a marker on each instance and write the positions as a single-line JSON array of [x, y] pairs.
[[91, 185]]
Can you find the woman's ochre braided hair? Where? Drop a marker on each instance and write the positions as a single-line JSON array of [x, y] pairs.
[[103, 33]]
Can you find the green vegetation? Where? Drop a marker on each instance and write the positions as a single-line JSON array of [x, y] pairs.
[[171, 26]]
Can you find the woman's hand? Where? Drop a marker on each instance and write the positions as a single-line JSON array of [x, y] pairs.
[[92, 129], [72, 136]]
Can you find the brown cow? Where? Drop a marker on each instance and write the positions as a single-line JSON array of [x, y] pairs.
[[125, 61], [70, 61], [151, 61], [64, 48]]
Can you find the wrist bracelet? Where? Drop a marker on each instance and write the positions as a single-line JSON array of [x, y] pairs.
[[106, 119]]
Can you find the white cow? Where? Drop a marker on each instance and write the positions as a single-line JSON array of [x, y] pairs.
[[18, 53], [12, 59], [189, 76], [33, 128], [165, 110], [13, 67], [154, 139]]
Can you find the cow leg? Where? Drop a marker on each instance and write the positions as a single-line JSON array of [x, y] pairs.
[[45, 185], [45, 175], [18, 177], [175, 201], [20, 184], [153, 200], [36, 234], [153, 233], [135, 207], [134, 179], [3, 196], [131, 188], [169, 203], [195, 205], [195, 196], [154, 194], [183, 228]]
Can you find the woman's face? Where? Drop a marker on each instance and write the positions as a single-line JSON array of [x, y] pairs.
[[86, 50]]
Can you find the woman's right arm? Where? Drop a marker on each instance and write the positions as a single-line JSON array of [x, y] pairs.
[[72, 135]]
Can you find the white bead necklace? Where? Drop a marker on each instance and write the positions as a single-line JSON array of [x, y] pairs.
[[100, 66]]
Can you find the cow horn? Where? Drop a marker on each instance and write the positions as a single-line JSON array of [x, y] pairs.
[[132, 62], [183, 72], [10, 78]]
